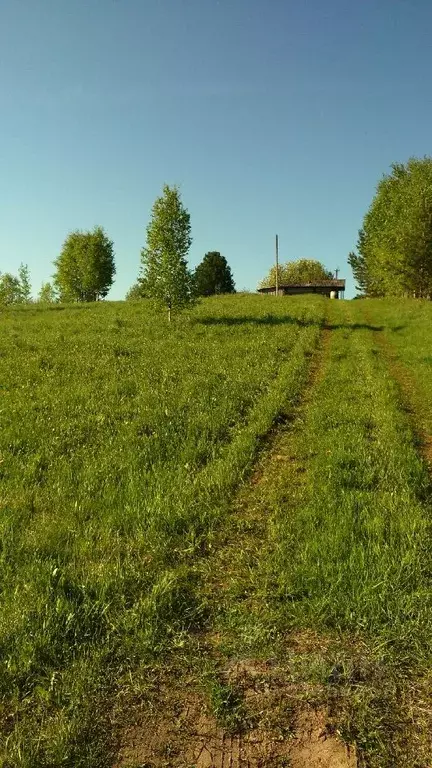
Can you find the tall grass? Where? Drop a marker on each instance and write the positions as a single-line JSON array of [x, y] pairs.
[[407, 329], [355, 555], [121, 442]]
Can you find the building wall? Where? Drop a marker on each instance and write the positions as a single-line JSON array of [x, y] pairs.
[[320, 290], [297, 291]]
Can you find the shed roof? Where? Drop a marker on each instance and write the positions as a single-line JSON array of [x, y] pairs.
[[336, 284]]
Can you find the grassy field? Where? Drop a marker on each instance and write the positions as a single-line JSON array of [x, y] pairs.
[[408, 335], [122, 440], [135, 530]]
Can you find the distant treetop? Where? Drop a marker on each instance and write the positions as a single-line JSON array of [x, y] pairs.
[[213, 275], [15, 290], [293, 272], [85, 268]]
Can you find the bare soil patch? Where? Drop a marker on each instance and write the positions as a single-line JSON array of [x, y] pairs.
[[279, 727]]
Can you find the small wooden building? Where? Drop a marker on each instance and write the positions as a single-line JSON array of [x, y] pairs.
[[334, 289]]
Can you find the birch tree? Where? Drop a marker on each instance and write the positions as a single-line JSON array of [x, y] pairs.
[[164, 266]]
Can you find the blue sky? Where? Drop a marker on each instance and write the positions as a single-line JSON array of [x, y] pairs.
[[271, 115]]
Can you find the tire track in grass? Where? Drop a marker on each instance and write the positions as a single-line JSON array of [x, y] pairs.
[[318, 592], [153, 602], [355, 559], [418, 694], [412, 400], [213, 708], [349, 567]]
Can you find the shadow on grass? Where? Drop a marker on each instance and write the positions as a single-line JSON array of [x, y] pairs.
[[38, 307], [287, 320]]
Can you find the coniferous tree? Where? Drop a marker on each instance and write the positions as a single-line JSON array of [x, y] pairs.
[[213, 275]]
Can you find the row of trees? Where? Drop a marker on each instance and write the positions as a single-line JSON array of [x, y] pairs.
[[301, 271], [85, 267], [164, 274], [394, 248], [85, 271], [212, 276]]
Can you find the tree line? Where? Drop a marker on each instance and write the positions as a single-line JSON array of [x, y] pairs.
[[393, 255], [85, 268], [394, 247]]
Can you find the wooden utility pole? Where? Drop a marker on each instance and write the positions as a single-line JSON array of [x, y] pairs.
[[277, 266]]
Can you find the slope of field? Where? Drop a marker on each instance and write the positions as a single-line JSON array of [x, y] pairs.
[[122, 440], [405, 341], [215, 536], [318, 590]]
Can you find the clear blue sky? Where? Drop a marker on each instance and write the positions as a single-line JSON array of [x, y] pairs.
[[271, 115]]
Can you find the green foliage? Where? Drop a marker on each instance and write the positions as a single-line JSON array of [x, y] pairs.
[[301, 271], [85, 268], [47, 294], [358, 265], [164, 266], [394, 252], [10, 289], [213, 275], [15, 290], [137, 291], [24, 278]]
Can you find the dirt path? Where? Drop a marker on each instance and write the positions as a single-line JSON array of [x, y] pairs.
[[212, 703]]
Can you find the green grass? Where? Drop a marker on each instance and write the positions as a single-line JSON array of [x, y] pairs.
[[335, 539], [125, 533], [122, 442], [355, 555], [407, 329]]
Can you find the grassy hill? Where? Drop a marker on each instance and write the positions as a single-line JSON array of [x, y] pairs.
[[135, 529]]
